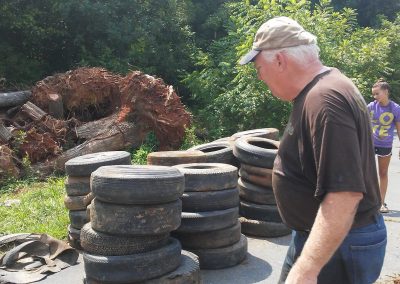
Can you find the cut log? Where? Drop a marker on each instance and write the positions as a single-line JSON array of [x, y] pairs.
[[33, 111], [117, 137], [94, 128], [5, 134], [14, 98], [56, 108]]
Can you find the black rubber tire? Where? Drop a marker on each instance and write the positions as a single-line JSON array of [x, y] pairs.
[[95, 242], [269, 133], [210, 200], [222, 257], [137, 184], [84, 165], [188, 272], [75, 233], [254, 170], [255, 194], [209, 240], [208, 221], [74, 242], [263, 229], [264, 181], [260, 212], [78, 202], [119, 219], [208, 176], [171, 158], [260, 152], [75, 186], [217, 152], [134, 267], [78, 218]]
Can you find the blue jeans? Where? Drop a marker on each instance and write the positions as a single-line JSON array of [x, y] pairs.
[[358, 260]]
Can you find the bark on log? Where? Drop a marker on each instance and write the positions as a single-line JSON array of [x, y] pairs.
[[94, 128], [118, 137], [56, 108], [14, 98], [33, 111], [5, 134]]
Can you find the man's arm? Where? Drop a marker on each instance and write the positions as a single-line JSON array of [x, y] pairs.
[[333, 222]]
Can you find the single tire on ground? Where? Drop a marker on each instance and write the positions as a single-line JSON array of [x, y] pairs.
[[133, 184], [78, 218], [95, 242], [224, 257], [188, 272], [208, 176], [217, 152], [263, 229], [210, 200], [255, 179], [86, 164], [255, 194], [121, 219], [261, 212], [78, 202], [134, 267], [171, 158], [208, 221], [260, 152], [211, 239], [75, 186], [269, 133]]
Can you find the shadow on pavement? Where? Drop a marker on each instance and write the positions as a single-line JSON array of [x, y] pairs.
[[251, 270], [392, 213]]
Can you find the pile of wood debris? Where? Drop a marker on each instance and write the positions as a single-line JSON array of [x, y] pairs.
[[84, 111]]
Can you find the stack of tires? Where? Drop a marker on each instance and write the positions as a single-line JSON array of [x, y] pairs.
[[258, 210], [209, 226], [77, 187], [128, 238]]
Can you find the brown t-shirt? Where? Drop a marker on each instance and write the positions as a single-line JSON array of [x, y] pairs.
[[326, 147]]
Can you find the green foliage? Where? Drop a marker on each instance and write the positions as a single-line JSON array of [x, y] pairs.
[[139, 156], [230, 97], [46, 36], [190, 139], [40, 208]]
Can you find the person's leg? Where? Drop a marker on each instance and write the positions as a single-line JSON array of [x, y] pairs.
[[383, 166]]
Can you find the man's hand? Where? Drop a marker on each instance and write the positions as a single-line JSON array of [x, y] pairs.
[[299, 275]]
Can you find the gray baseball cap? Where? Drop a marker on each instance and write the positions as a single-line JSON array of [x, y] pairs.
[[279, 32]]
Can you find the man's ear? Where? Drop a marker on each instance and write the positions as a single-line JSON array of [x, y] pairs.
[[281, 61]]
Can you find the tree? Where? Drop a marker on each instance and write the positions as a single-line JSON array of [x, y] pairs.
[[230, 97]]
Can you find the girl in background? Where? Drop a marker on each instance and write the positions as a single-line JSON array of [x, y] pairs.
[[385, 116]]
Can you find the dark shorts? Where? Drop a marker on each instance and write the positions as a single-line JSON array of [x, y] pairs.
[[383, 152]]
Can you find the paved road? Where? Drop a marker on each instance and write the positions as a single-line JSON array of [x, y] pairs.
[[265, 256]]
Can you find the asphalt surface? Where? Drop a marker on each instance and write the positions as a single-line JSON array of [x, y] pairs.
[[265, 256]]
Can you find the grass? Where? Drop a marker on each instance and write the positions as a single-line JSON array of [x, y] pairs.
[[40, 209]]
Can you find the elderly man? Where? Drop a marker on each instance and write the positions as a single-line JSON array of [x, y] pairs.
[[324, 178]]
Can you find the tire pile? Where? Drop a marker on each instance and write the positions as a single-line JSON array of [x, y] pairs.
[[128, 238], [77, 187], [258, 210], [209, 226]]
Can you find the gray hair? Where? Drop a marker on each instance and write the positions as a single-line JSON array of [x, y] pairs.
[[302, 54]]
